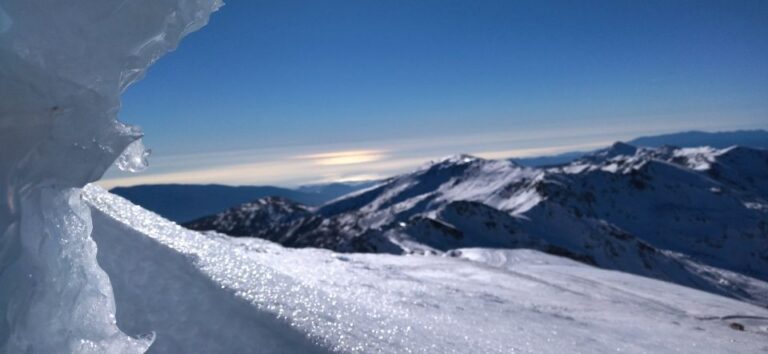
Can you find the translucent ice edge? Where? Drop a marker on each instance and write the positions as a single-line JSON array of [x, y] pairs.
[[63, 66]]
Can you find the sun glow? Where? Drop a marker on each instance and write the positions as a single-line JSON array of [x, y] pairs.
[[345, 157]]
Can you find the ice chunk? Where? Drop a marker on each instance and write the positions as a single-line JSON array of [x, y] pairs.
[[65, 301], [63, 66]]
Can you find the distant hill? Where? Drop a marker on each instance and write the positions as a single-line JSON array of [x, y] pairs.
[[185, 202], [718, 140]]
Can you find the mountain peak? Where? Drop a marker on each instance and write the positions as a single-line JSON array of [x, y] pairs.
[[453, 160], [457, 159]]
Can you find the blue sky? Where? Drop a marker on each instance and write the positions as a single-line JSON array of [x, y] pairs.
[[271, 89]]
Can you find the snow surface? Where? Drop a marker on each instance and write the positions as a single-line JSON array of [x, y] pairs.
[[213, 293]]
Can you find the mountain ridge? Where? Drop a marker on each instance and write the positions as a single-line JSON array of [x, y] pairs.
[[757, 138]]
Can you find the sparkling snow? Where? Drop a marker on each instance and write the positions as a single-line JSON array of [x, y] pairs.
[[488, 301]]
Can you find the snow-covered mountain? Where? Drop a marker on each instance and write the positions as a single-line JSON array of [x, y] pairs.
[[693, 216], [757, 138], [271, 218]]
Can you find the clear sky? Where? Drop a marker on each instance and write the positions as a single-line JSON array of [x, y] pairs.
[[288, 92]]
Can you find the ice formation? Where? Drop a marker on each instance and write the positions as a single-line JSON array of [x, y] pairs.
[[63, 66], [134, 158]]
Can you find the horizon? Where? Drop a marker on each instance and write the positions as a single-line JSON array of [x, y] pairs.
[[337, 159], [296, 93]]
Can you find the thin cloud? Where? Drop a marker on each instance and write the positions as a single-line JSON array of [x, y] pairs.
[[294, 165], [345, 157]]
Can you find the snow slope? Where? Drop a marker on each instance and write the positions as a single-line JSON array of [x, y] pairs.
[[212, 293]]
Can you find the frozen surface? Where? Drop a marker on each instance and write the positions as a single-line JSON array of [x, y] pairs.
[[473, 300], [63, 66], [59, 300]]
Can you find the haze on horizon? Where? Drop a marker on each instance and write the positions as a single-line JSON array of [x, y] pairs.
[[294, 92]]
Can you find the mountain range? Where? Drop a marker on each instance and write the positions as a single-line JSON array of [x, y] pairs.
[[185, 202], [752, 138], [692, 216]]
